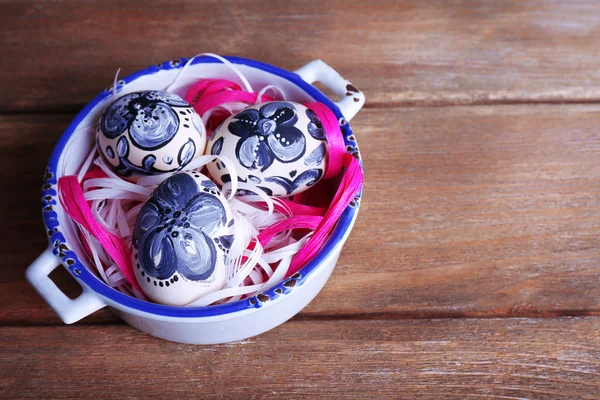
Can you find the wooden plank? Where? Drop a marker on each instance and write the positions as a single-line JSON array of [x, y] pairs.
[[510, 358], [474, 211], [58, 55], [468, 211]]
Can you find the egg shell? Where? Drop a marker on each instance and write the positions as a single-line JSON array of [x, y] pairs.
[[181, 238], [279, 146], [150, 132]]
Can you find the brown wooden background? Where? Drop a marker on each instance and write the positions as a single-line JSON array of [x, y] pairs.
[[473, 269]]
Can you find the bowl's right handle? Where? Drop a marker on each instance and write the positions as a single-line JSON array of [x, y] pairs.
[[68, 310], [351, 99]]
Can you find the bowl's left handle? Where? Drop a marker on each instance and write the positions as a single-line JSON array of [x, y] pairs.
[[68, 310]]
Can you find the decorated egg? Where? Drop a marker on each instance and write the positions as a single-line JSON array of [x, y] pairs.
[[279, 146], [180, 240], [150, 132]]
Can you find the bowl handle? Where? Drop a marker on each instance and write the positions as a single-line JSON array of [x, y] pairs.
[[351, 99], [68, 310]]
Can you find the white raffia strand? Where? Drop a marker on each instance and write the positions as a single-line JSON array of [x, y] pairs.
[[233, 107], [114, 88], [279, 93], [225, 61]]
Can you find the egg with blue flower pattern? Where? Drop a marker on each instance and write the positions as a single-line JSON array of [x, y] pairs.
[[150, 132], [180, 240], [279, 146]]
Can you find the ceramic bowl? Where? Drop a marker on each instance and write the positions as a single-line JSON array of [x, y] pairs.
[[198, 325]]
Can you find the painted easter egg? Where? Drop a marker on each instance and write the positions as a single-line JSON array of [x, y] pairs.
[[279, 146], [181, 237], [150, 132]]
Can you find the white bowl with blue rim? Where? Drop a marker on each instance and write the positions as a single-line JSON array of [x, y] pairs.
[[198, 325]]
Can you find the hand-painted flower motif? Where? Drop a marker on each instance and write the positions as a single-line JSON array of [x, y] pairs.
[[315, 127], [151, 121], [306, 178], [279, 146], [175, 229], [268, 134], [145, 132]]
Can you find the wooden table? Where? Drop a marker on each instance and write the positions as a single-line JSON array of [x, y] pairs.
[[473, 269]]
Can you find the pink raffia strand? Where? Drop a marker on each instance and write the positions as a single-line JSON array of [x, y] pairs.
[[301, 209], [94, 173], [205, 87], [73, 201], [336, 149], [218, 99], [348, 189], [295, 222], [207, 94], [322, 225]]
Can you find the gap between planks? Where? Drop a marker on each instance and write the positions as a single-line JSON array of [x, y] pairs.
[[368, 316], [73, 109]]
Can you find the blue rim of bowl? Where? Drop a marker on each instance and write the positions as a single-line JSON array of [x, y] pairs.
[[70, 259]]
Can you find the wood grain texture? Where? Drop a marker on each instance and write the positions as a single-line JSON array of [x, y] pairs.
[[510, 359], [58, 55], [481, 203], [474, 211], [487, 211]]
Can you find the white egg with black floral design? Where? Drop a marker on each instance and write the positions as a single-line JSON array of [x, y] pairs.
[[150, 132], [181, 237], [279, 146]]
